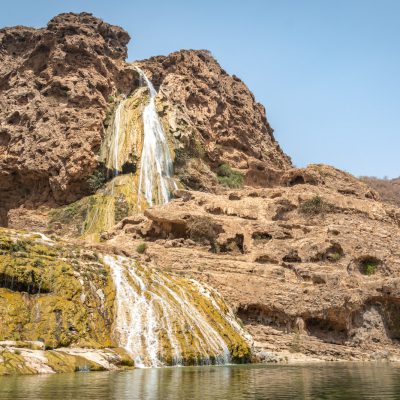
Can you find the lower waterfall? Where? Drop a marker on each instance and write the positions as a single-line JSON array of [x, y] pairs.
[[163, 320]]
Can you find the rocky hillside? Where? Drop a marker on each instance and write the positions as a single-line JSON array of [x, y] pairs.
[[213, 119], [310, 266], [308, 258], [389, 189]]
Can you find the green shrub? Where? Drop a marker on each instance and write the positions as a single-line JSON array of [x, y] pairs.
[[65, 269], [314, 206], [194, 149], [181, 156], [121, 208], [19, 245], [369, 266], [228, 177], [141, 248], [334, 257], [68, 213], [71, 217]]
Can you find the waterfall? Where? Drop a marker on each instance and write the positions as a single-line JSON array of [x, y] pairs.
[[156, 169], [166, 320], [115, 144], [136, 150], [113, 153]]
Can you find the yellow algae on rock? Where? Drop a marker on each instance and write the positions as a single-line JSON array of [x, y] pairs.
[[123, 141], [63, 362], [57, 296], [161, 319], [54, 293]]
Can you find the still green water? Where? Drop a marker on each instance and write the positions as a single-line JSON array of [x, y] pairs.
[[311, 381]]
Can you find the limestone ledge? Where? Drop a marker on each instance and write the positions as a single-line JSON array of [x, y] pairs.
[[30, 357]]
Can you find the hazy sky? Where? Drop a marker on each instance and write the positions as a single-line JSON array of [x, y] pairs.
[[328, 72]]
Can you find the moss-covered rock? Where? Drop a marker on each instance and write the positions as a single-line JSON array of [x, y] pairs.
[[12, 363], [53, 292], [58, 296], [63, 362]]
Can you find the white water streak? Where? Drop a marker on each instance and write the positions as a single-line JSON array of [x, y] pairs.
[[156, 168], [116, 133], [154, 315]]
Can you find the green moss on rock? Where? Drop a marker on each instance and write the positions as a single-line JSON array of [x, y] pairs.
[[50, 293]]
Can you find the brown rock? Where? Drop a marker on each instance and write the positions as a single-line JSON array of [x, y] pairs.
[[208, 109], [55, 85], [331, 277]]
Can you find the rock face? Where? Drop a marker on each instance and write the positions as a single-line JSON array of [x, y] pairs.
[[311, 267], [60, 84], [59, 294], [55, 86], [213, 116]]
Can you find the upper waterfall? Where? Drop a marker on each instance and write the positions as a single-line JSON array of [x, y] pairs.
[[156, 169], [136, 156], [115, 144]]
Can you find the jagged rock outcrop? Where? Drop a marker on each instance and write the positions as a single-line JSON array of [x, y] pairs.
[[58, 84], [213, 117], [330, 178], [55, 86]]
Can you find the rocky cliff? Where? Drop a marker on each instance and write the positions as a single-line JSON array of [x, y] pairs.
[[214, 119], [306, 257], [55, 86], [311, 267]]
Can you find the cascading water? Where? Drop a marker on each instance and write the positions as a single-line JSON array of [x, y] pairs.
[[114, 150], [156, 169], [133, 129], [166, 320]]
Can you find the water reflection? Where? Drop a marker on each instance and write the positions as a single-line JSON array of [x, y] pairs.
[[316, 381]]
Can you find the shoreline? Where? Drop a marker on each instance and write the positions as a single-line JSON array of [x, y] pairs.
[[33, 360]]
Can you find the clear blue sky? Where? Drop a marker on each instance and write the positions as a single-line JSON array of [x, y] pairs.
[[328, 72]]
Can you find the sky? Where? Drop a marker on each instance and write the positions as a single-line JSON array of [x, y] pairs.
[[328, 72]]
